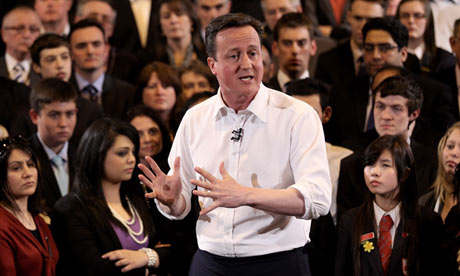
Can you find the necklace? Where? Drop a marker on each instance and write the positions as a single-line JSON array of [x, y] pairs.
[[127, 224]]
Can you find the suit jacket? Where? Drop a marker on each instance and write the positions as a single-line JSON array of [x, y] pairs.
[[34, 78], [123, 65], [429, 233], [351, 188], [126, 35], [49, 186], [14, 100], [20, 251], [88, 112], [117, 96], [433, 65], [336, 67], [449, 78]]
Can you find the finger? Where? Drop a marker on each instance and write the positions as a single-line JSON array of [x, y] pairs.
[[121, 262], [151, 195], [146, 181], [127, 268], [110, 254], [206, 174], [203, 193], [154, 166], [176, 165], [208, 209], [147, 172], [202, 184], [222, 170]]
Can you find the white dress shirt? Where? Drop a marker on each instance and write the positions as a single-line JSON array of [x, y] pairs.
[[282, 147], [141, 11], [395, 216]]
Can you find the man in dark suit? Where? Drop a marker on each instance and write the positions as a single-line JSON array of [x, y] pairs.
[[293, 45], [54, 111], [89, 53], [14, 100], [397, 103], [20, 27]]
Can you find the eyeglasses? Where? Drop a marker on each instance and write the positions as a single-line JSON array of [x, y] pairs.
[[22, 29], [416, 16], [383, 48], [5, 143]]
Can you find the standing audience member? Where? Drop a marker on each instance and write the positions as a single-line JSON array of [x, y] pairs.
[[20, 27], [89, 53], [207, 10], [196, 78], [26, 244], [159, 88], [104, 227], [293, 45], [54, 111], [54, 15], [257, 218], [417, 17], [389, 234]]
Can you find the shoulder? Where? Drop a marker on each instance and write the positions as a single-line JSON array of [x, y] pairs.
[[428, 200], [348, 218], [286, 103], [429, 218], [69, 204]]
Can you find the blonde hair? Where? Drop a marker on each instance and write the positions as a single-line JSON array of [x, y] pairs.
[[443, 181]]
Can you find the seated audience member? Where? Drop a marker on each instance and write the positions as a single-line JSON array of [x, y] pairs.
[[178, 36], [273, 10], [159, 88], [54, 15], [20, 27], [417, 17], [89, 51], [104, 226], [293, 45], [196, 78], [26, 244], [120, 63], [207, 10], [397, 101], [54, 111], [443, 195], [51, 59], [317, 95], [389, 233], [385, 43], [451, 76]]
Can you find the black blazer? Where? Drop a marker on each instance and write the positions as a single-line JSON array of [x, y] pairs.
[[351, 186], [336, 66], [49, 186], [274, 84], [14, 101], [117, 96], [449, 78], [428, 241], [34, 78], [433, 65]]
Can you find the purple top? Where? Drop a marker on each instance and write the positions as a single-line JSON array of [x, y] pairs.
[[125, 239]]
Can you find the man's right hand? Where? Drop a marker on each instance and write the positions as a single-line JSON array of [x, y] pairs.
[[165, 188]]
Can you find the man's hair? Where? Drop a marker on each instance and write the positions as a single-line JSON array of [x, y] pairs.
[[223, 22], [86, 23], [456, 28], [20, 7], [404, 87], [391, 25], [51, 90], [47, 41], [293, 3], [81, 3], [308, 87], [292, 20]]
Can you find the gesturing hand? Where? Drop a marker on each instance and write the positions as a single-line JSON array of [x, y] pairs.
[[166, 188], [225, 192], [129, 259]]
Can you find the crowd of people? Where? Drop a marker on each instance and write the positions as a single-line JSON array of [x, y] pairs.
[[185, 137]]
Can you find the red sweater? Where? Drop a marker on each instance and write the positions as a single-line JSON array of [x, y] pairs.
[[21, 253]]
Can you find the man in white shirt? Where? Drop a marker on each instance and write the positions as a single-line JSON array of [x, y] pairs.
[[293, 45], [20, 27], [269, 150]]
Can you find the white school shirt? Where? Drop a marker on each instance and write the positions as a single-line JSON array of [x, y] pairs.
[[282, 147]]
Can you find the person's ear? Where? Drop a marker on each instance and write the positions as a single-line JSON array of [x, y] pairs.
[[275, 48], [327, 114], [212, 64], [33, 116], [404, 54], [414, 115], [313, 47], [37, 69]]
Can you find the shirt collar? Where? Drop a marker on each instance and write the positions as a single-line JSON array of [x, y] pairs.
[[394, 214], [258, 105], [418, 52], [51, 154], [11, 62], [283, 78], [81, 82]]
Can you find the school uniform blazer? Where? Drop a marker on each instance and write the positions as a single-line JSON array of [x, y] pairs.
[[49, 186], [20, 251], [82, 240], [433, 65], [449, 78], [428, 247], [34, 78]]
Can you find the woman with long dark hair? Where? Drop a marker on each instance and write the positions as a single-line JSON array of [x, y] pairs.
[[104, 226], [389, 234], [26, 244]]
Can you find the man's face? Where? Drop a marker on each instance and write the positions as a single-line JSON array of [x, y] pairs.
[[238, 64], [51, 11], [19, 31], [55, 122], [207, 10], [193, 83], [455, 44], [391, 115], [89, 50], [360, 12], [275, 9], [101, 12], [293, 49], [55, 63], [380, 50]]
